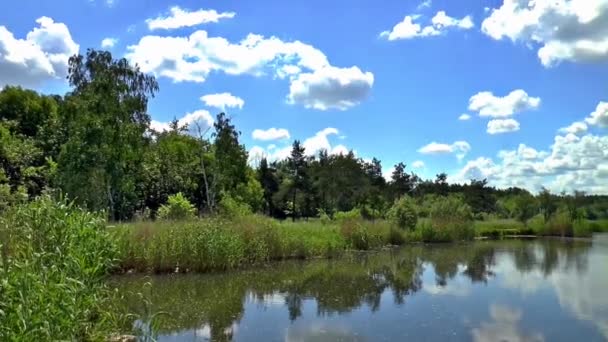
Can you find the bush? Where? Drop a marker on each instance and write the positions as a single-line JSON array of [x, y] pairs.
[[403, 213], [582, 228], [53, 258], [450, 220], [177, 208], [232, 207], [354, 214], [560, 224]]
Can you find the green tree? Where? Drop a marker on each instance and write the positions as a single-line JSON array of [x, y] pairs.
[[270, 184], [107, 114], [525, 207], [230, 155], [297, 168], [547, 203]]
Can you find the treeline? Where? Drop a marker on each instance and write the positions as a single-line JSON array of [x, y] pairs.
[[95, 145]]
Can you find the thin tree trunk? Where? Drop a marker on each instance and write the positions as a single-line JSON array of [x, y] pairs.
[[293, 205]]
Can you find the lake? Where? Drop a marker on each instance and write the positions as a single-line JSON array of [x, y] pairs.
[[510, 290]]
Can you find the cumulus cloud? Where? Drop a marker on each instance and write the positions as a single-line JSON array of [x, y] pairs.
[[571, 163], [42, 55], [270, 134], [460, 148], [312, 145], [314, 82], [198, 118], [440, 23], [498, 126], [464, 117], [489, 105], [418, 164], [599, 117], [108, 43], [575, 128], [223, 101], [178, 18], [564, 30], [331, 87]]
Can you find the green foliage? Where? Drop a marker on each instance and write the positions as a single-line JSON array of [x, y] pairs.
[[525, 207], [354, 214], [52, 263], [220, 243], [106, 120], [232, 207], [177, 208], [250, 192], [450, 220], [403, 213]]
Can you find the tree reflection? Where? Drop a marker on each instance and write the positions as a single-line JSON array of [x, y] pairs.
[[338, 286]]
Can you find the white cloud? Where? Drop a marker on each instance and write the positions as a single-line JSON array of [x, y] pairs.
[[571, 163], [504, 327], [418, 164], [440, 23], [42, 55], [331, 88], [270, 134], [442, 20], [464, 117], [424, 4], [575, 128], [487, 104], [314, 82], [223, 101], [183, 18], [312, 145], [599, 117], [319, 141], [460, 148], [193, 120], [498, 126], [108, 43], [573, 30]]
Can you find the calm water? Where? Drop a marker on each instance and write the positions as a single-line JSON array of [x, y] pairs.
[[535, 290]]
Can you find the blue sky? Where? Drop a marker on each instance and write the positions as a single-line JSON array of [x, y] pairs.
[[387, 80]]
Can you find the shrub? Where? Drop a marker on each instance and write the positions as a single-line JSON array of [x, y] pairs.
[[450, 220], [395, 237], [232, 207], [537, 224], [582, 228], [354, 214], [403, 213], [560, 224], [177, 208]]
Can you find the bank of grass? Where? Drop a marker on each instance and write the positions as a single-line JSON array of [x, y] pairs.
[[218, 243], [53, 260], [558, 225]]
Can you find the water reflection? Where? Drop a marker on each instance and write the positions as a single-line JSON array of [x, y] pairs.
[[484, 291]]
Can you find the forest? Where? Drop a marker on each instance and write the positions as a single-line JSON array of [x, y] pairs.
[[88, 188], [95, 145]]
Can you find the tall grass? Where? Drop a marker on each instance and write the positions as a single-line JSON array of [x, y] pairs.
[[52, 264], [218, 243]]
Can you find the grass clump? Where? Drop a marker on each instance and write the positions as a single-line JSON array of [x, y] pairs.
[[52, 263], [450, 219]]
